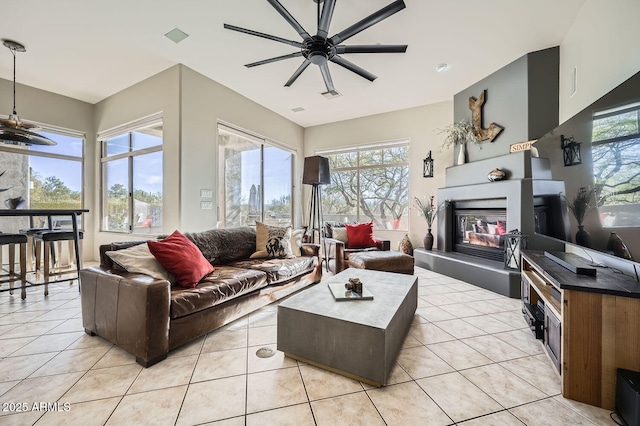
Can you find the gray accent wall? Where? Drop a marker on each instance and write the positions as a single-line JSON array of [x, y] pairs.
[[522, 97]]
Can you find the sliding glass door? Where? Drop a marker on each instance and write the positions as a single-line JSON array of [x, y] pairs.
[[255, 180]]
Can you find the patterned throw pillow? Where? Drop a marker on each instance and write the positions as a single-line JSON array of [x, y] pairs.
[[272, 241], [405, 246]]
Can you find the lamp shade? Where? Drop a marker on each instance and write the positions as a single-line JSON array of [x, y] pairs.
[[316, 171]]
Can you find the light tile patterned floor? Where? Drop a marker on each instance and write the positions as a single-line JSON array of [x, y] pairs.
[[468, 359]]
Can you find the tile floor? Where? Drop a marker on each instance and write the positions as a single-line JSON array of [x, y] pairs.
[[468, 359]]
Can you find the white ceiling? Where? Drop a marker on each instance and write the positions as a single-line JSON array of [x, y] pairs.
[[90, 49]]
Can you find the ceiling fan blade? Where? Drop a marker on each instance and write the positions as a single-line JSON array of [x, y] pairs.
[[370, 20], [290, 19], [325, 18], [374, 48], [326, 75], [296, 74], [277, 58], [263, 35], [353, 67]]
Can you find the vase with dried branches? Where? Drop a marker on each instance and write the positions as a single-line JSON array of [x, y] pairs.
[[459, 133], [580, 207], [429, 210]]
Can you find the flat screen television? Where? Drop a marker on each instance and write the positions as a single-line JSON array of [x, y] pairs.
[[604, 159]]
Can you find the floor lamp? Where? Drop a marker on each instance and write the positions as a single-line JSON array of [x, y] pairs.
[[316, 173]]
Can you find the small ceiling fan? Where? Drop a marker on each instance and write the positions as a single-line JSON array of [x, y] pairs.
[[320, 49]]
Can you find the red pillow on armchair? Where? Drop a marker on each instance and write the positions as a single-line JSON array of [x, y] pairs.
[[360, 235]]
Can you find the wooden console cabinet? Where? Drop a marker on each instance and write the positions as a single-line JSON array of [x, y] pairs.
[[591, 330]]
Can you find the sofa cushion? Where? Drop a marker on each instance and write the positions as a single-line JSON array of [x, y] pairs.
[[182, 258], [329, 226], [272, 241], [225, 283], [222, 246], [360, 235], [279, 270], [296, 241], [139, 259], [340, 234]]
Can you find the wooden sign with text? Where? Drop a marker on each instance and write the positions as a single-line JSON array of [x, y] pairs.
[[521, 146]]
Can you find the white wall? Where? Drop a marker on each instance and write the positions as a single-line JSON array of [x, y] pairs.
[[603, 44], [204, 102], [416, 124], [191, 105], [159, 93]]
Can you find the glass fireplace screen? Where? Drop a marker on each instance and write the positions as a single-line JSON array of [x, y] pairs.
[[483, 228]]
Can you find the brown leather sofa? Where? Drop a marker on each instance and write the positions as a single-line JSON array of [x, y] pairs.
[[148, 317]]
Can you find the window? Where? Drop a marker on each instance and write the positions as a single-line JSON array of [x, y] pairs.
[[369, 183], [615, 148], [48, 177], [132, 176], [256, 179]]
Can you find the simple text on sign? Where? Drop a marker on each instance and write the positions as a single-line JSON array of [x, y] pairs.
[[521, 146]]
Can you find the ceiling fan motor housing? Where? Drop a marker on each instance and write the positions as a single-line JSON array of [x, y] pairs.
[[318, 50]]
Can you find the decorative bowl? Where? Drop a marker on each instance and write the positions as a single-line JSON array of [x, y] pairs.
[[496, 174]]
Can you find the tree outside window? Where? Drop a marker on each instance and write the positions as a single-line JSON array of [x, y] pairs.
[[47, 177], [369, 184], [616, 166]]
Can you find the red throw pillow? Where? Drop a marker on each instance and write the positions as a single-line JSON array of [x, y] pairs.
[[182, 258], [360, 235], [500, 230]]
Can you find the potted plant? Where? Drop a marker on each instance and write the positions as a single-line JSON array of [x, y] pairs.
[[459, 134], [428, 209], [580, 207]]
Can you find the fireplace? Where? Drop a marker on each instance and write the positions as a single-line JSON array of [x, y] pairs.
[[476, 214], [480, 232]]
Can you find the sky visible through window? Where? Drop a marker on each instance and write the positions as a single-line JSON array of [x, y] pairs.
[[46, 167]]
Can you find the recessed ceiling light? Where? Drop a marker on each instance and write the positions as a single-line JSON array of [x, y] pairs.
[[176, 35], [441, 67], [297, 109], [331, 94]]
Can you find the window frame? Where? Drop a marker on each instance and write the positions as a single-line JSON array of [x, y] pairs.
[[263, 142], [356, 169], [127, 129], [605, 208], [61, 131]]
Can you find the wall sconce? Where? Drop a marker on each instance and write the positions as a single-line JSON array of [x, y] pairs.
[[570, 150], [427, 170], [514, 243]]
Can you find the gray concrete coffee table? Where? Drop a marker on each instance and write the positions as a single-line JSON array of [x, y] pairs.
[[357, 338]]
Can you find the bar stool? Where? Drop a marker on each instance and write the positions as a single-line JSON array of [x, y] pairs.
[[31, 257], [51, 236], [12, 240]]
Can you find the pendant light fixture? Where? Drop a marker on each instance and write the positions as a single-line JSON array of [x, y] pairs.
[[13, 130]]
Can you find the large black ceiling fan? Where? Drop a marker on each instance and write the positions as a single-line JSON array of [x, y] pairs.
[[319, 49]]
